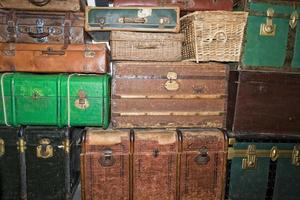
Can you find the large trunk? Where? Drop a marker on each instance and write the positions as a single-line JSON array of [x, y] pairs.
[[153, 19], [48, 5], [41, 27], [185, 5], [272, 37], [60, 100], [267, 102], [263, 168], [54, 58], [177, 94], [105, 165]]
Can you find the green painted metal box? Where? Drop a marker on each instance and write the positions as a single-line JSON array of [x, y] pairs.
[[272, 39], [263, 169], [60, 99], [147, 19]]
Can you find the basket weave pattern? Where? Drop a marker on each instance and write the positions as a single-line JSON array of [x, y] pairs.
[[146, 46], [213, 35]]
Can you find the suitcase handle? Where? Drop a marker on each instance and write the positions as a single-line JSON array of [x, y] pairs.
[[141, 46], [38, 35], [39, 2], [52, 52], [135, 20]]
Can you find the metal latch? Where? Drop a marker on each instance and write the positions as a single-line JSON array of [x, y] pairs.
[[172, 84], [296, 156], [251, 160], [66, 145], [44, 149], [274, 154], [107, 159], [21, 145], [2, 147], [82, 102], [163, 21], [294, 19], [268, 29], [203, 157]]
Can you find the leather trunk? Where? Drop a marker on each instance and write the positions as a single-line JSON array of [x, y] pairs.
[[54, 58], [263, 168], [203, 164], [169, 94], [267, 102], [154, 164], [41, 27], [105, 165], [47, 5], [185, 5]]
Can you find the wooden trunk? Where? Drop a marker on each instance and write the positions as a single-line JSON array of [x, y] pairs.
[[172, 94]]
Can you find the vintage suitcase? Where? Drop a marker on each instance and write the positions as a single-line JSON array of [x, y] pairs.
[[33, 158], [54, 58], [267, 102], [105, 165], [41, 27], [272, 37], [213, 35], [263, 169], [60, 100], [146, 46], [47, 5], [185, 5], [154, 164], [146, 19], [169, 94], [187, 164], [203, 164], [9, 168]]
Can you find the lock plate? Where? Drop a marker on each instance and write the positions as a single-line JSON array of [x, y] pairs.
[[268, 29], [251, 160], [82, 102], [172, 84], [2, 147], [44, 149]]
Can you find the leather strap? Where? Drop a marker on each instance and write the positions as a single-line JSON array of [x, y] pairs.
[[290, 48], [67, 29], [11, 26]]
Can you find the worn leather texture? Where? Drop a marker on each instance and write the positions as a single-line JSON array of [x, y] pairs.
[[52, 5], [53, 58], [185, 5]]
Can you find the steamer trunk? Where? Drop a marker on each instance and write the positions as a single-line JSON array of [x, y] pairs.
[[54, 58], [189, 5], [177, 94], [267, 102], [263, 168], [105, 165], [41, 27]]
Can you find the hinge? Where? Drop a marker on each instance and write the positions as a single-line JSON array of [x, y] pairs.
[[251, 160], [268, 29], [296, 156], [2, 147], [21, 145]]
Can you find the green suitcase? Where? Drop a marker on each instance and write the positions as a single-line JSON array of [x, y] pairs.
[[147, 19], [263, 169], [272, 39], [60, 100]]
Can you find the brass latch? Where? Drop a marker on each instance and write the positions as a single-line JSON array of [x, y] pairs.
[[66, 145], [250, 161], [171, 83], [268, 29], [21, 145], [296, 156], [294, 19], [2, 147], [203, 157], [274, 154], [44, 149], [107, 159], [82, 102]]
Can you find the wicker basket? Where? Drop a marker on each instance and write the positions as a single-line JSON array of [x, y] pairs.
[[138, 46], [213, 35]]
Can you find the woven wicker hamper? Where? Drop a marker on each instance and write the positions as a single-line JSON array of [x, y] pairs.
[[213, 35], [137, 46]]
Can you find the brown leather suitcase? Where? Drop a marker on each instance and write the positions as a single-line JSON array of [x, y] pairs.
[[185, 5], [267, 102], [50, 5], [187, 164], [169, 94], [41, 27], [53, 58], [105, 165]]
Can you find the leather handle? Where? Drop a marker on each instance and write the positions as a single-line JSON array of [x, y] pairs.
[[141, 46], [38, 35], [39, 2], [52, 52], [133, 20]]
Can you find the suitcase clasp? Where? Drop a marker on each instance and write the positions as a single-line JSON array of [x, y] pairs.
[[294, 19], [107, 159], [44, 149], [82, 102], [268, 29], [203, 158], [251, 160], [2, 147], [172, 84], [296, 156]]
